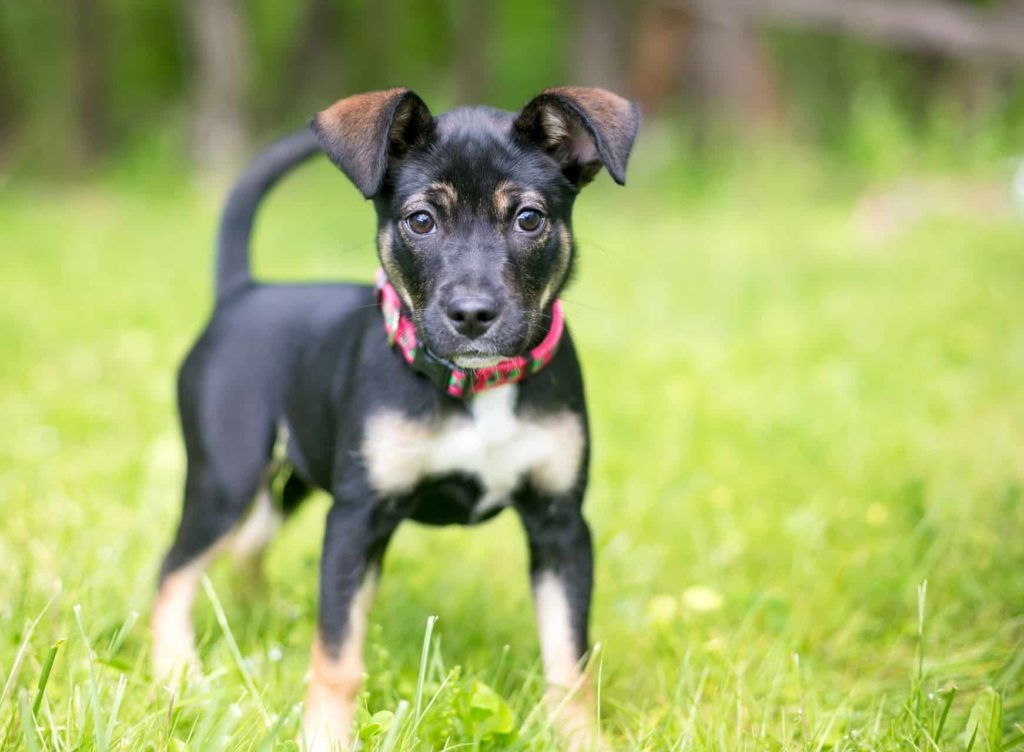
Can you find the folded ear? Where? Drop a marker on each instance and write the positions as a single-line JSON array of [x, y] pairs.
[[362, 133], [582, 129]]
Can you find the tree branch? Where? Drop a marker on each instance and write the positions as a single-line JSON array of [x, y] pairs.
[[935, 26]]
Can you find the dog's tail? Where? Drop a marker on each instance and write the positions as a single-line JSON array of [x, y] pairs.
[[236, 222]]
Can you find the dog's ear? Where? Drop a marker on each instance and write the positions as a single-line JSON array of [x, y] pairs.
[[582, 129], [363, 133]]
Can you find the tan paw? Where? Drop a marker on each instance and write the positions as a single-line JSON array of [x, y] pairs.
[[575, 721], [169, 662], [173, 649], [321, 733]]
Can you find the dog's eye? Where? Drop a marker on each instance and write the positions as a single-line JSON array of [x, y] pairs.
[[420, 223], [529, 220]]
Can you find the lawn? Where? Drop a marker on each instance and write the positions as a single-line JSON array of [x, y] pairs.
[[797, 425]]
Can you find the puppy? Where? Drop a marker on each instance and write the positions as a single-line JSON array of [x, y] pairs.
[[444, 393]]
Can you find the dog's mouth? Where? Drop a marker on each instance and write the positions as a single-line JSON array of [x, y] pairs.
[[476, 359], [473, 354]]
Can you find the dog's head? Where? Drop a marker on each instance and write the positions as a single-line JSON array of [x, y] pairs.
[[474, 207]]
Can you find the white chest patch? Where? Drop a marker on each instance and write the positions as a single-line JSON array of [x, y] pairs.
[[492, 443]]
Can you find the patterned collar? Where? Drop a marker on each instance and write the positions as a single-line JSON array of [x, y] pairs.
[[455, 381]]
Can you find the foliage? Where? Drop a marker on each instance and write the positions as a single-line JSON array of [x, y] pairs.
[[847, 97], [796, 426]]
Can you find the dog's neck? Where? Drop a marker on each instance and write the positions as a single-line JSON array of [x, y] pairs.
[[452, 379]]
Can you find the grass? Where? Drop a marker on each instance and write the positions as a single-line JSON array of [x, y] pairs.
[[796, 427]]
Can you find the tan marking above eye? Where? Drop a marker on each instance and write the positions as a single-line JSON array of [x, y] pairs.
[[508, 196], [504, 195], [437, 196], [532, 200], [443, 194], [415, 202]]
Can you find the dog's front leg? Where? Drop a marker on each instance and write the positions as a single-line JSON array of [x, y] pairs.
[[354, 543], [561, 571]]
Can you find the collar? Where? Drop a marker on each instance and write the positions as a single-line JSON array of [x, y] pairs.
[[454, 381]]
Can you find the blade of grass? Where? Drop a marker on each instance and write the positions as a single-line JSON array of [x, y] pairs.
[[950, 695], [44, 676], [270, 738], [974, 738], [116, 706], [433, 699], [222, 620], [51, 724], [392, 737], [93, 685], [599, 654], [995, 724], [424, 655], [29, 731], [921, 728], [22, 649], [118, 639], [922, 592], [499, 666], [826, 732]]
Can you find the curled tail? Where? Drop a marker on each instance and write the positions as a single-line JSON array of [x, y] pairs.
[[236, 222]]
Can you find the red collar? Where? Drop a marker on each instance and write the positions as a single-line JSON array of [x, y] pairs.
[[455, 381]]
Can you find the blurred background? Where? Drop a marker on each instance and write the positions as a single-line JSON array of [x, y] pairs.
[[800, 324], [86, 83]]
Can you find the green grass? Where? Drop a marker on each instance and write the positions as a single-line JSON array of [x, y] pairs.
[[795, 428]]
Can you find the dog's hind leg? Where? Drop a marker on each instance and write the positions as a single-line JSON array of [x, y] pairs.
[[208, 516], [270, 510], [227, 462], [250, 540], [279, 496]]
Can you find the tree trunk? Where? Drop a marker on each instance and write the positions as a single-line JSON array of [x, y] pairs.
[[980, 84], [316, 65], [376, 46], [733, 78], [472, 59], [945, 27], [217, 31], [663, 39], [9, 109], [598, 42], [89, 78]]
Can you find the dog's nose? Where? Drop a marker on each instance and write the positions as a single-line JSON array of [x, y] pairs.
[[472, 315]]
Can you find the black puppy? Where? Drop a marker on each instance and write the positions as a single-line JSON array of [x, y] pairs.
[[464, 397]]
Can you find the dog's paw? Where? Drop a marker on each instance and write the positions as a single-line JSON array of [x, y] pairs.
[[326, 724], [319, 738], [174, 651], [170, 665], [577, 729], [575, 721]]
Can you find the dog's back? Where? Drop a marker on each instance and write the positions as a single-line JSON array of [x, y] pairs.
[[231, 383]]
